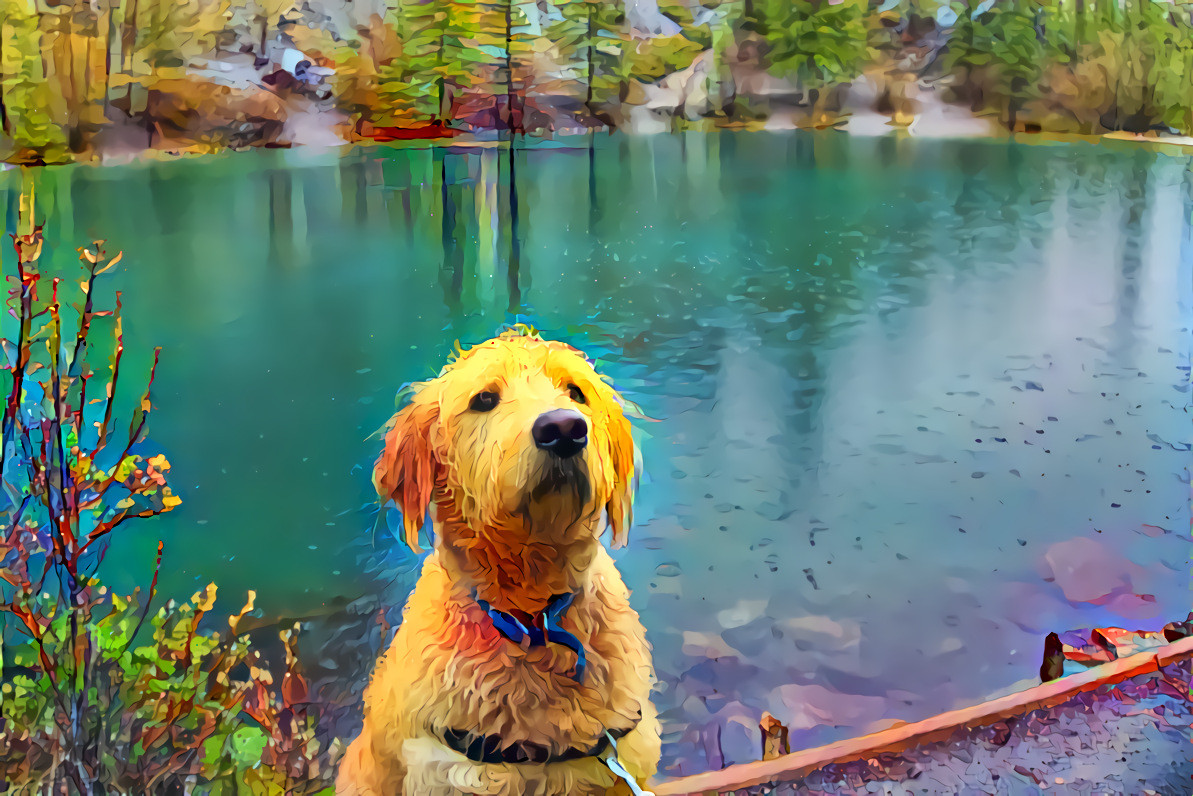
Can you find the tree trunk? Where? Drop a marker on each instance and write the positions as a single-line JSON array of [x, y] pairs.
[[4, 127], [442, 120], [3, 111], [443, 112], [512, 123], [128, 42], [1078, 28], [108, 42], [588, 90]]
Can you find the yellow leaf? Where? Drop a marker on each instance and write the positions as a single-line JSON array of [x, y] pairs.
[[126, 467], [233, 621], [203, 600], [119, 256]]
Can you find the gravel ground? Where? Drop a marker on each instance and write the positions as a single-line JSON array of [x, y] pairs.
[[1133, 738]]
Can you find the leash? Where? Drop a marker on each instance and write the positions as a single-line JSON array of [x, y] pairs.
[[516, 631], [619, 770]]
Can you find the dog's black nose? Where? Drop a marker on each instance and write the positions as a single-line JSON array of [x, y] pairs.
[[563, 432]]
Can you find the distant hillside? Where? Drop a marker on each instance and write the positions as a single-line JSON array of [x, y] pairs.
[[78, 76]]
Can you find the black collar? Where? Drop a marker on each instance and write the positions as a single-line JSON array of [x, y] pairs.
[[489, 749]]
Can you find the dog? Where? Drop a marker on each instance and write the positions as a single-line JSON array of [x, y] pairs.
[[519, 667]]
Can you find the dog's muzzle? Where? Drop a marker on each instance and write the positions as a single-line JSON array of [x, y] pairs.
[[563, 477]]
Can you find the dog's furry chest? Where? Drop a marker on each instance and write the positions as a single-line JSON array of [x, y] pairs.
[[520, 692]]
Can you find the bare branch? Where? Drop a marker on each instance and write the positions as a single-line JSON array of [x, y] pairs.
[[103, 428], [134, 432], [157, 568]]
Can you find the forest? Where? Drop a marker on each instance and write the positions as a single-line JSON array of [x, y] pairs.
[[81, 76]]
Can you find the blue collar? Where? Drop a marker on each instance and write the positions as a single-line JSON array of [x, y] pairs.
[[543, 628]]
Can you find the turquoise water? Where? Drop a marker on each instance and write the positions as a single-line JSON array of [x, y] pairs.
[[918, 402]]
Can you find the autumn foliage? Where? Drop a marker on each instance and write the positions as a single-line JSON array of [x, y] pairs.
[[197, 75], [102, 692]]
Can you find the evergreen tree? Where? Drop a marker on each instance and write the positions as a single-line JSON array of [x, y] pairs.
[[33, 109], [817, 42], [410, 88]]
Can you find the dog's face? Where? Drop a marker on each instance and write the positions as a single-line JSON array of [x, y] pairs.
[[516, 432]]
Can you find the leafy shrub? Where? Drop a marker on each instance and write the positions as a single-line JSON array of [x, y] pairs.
[[820, 43], [100, 693], [28, 96], [1086, 67], [998, 55]]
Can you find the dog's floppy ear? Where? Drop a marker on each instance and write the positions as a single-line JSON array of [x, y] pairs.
[[625, 455], [408, 467]]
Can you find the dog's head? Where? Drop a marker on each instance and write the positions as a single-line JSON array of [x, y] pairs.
[[515, 432]]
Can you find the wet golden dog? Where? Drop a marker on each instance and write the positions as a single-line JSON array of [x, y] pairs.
[[523, 455]]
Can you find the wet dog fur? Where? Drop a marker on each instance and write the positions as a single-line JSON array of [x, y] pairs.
[[515, 526]]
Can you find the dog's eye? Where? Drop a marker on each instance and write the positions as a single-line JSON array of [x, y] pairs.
[[576, 394], [484, 401]]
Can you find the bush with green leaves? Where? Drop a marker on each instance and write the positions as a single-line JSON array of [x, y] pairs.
[[1075, 67], [997, 55], [101, 692], [589, 35], [31, 124], [820, 43]]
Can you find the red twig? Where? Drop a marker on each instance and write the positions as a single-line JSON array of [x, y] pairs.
[[157, 568], [103, 427], [133, 434]]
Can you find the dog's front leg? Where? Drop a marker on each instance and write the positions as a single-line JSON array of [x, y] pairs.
[[363, 772], [639, 752]]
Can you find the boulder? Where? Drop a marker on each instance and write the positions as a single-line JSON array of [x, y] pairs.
[[189, 110]]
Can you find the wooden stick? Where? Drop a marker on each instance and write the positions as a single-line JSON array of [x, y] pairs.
[[774, 737], [897, 739]]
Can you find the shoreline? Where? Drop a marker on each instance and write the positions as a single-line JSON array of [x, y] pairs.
[[858, 125], [942, 728]]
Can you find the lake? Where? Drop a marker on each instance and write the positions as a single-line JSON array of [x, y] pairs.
[[917, 402]]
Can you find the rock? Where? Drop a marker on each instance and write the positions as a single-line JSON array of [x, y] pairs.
[[1053, 666], [774, 737], [1175, 631], [189, 110], [814, 705], [1085, 570], [680, 93], [743, 612]]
